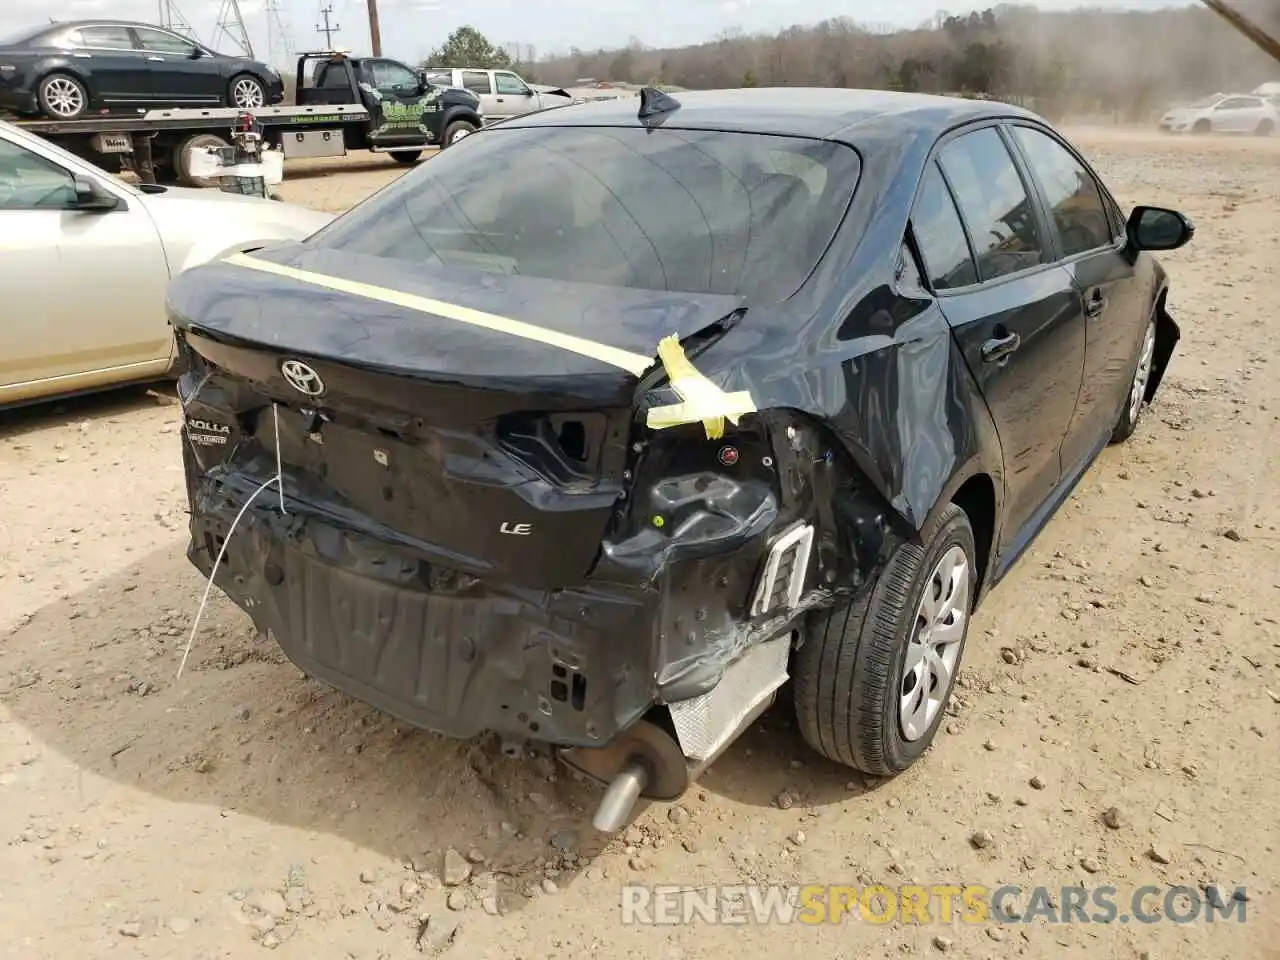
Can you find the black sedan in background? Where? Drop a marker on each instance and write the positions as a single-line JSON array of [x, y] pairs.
[[65, 70], [745, 386]]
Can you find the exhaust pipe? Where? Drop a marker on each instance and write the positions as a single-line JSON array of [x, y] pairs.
[[620, 799]]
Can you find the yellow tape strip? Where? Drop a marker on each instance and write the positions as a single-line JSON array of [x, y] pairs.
[[634, 363], [701, 399]]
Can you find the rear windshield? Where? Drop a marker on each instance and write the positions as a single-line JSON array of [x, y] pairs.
[[668, 209]]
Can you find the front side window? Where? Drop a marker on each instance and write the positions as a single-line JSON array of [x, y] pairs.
[[509, 83], [998, 213], [440, 78], [940, 235], [30, 182], [157, 41], [477, 81], [391, 76], [106, 37], [1070, 191], [688, 211]]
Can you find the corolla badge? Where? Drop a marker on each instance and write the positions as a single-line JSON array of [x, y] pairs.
[[302, 378]]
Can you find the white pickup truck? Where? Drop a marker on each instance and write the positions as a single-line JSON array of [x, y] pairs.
[[502, 93]]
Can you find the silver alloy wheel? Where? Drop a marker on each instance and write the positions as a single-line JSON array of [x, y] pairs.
[[1138, 391], [934, 646], [63, 97], [459, 134], [247, 93]]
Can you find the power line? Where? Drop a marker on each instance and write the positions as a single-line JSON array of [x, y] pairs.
[[328, 29]]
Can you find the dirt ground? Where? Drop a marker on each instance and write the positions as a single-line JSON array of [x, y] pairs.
[[1131, 661]]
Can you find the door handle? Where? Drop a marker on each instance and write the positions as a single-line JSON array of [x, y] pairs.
[[998, 349], [1094, 306], [500, 100], [156, 59]]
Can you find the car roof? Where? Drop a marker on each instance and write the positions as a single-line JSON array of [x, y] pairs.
[[817, 112]]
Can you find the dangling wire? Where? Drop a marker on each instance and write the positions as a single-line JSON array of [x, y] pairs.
[[278, 480]]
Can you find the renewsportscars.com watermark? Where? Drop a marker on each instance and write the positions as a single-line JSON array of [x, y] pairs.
[[816, 904]]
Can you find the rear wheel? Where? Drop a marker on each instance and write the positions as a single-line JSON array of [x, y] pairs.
[[1137, 399], [406, 157], [1266, 128], [873, 677], [456, 131], [182, 159], [62, 97], [246, 92]]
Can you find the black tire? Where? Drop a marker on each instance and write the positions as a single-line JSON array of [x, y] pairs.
[[848, 673], [1266, 128], [240, 84], [1201, 126], [55, 94], [1130, 417], [452, 131], [406, 157], [181, 162]]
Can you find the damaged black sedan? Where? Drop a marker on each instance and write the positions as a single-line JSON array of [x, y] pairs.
[[605, 423]]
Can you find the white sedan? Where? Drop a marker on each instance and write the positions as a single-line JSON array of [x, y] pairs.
[[86, 259], [1224, 113]]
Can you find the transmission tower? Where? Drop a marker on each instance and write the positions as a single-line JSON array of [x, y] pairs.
[[173, 19], [278, 41], [231, 25]]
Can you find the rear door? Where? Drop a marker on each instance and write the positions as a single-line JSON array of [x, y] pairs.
[[1091, 243], [177, 75], [1238, 114], [117, 67], [1015, 314], [84, 291], [480, 82]]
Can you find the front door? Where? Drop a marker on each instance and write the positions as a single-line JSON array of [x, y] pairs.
[[118, 70], [512, 94], [1092, 243], [83, 291], [402, 105], [177, 75], [1015, 315]]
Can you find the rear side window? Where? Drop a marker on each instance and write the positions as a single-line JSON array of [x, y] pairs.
[[477, 81], [997, 211], [940, 235], [106, 37], [677, 210], [1071, 192]]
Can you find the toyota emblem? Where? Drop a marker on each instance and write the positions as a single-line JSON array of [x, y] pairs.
[[302, 378]]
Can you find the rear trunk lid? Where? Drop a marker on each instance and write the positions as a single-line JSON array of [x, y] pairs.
[[480, 419]]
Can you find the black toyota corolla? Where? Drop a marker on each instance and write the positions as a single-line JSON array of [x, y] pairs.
[[605, 423]]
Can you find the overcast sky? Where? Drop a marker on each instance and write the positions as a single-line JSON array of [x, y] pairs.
[[410, 28]]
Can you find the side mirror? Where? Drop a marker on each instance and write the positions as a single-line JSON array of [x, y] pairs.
[[91, 197], [196, 53], [528, 91], [1156, 228]]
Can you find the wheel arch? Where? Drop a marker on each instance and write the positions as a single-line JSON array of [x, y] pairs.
[[71, 69]]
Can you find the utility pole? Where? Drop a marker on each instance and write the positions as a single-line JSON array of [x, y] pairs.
[[375, 32], [1264, 40], [328, 29]]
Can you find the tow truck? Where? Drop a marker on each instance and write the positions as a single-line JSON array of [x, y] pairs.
[[342, 103]]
